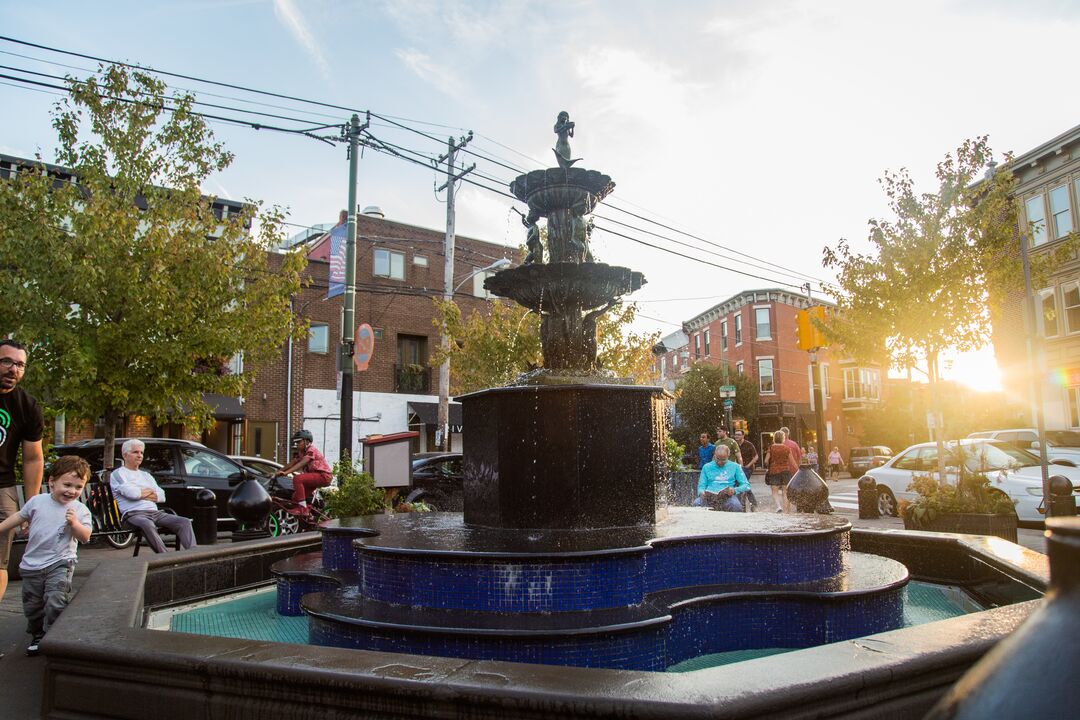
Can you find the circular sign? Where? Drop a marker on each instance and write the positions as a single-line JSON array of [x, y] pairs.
[[364, 341]]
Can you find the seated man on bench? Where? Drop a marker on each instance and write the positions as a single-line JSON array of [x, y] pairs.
[[137, 496]]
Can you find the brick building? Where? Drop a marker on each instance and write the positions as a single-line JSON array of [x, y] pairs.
[[1048, 189], [671, 358], [754, 332], [399, 269]]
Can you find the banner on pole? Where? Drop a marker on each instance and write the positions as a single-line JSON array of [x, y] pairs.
[[336, 280]]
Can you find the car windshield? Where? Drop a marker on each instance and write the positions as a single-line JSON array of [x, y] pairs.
[[983, 457], [1064, 438]]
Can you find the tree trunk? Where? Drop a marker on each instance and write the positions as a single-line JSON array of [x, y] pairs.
[[109, 451], [939, 430]]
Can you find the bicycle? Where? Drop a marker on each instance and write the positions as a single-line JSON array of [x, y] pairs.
[[283, 522], [105, 515]]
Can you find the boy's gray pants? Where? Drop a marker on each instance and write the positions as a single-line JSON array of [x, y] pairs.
[[45, 593]]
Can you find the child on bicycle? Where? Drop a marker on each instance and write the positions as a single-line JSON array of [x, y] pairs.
[[314, 472]]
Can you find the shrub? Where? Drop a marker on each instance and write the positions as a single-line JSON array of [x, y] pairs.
[[973, 494], [673, 452], [356, 493]]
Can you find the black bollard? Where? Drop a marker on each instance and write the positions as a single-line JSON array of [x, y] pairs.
[[204, 520], [808, 492], [868, 499], [250, 506], [1062, 501]]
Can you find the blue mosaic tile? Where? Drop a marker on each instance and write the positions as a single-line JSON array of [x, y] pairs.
[[291, 588], [338, 552]]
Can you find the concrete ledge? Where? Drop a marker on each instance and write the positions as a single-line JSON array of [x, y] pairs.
[[100, 662]]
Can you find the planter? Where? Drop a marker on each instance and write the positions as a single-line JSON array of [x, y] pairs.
[[1002, 526]]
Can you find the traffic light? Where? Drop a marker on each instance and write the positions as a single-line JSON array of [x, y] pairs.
[[807, 335]]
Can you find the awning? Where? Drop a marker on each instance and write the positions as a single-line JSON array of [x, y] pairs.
[[428, 413], [224, 407]]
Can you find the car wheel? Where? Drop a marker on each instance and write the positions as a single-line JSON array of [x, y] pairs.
[[286, 522], [120, 541], [886, 502]]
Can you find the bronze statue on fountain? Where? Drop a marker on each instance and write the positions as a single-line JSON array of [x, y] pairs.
[[569, 291]]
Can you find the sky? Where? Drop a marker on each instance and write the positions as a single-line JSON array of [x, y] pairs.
[[759, 127]]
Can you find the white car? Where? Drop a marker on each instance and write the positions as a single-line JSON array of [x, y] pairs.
[[1062, 446], [1012, 471]]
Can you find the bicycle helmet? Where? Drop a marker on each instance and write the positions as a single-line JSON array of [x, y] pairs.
[[303, 435]]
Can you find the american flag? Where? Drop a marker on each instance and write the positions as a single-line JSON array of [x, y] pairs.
[[336, 281]]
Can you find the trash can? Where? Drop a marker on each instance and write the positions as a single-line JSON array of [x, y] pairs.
[[868, 499], [204, 517], [1062, 502]]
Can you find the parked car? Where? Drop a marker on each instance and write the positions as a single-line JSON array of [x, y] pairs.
[[866, 458], [258, 464], [438, 480], [1062, 446], [1011, 471], [177, 466]]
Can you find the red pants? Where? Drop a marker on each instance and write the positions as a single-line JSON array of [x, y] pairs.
[[305, 485]]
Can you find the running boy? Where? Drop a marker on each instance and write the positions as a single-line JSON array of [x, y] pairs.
[[58, 522]]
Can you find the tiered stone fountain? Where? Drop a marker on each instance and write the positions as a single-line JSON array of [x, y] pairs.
[[567, 552]]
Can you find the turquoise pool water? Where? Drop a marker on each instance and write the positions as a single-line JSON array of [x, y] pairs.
[[254, 617]]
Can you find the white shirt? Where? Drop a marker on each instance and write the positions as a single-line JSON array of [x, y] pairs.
[[51, 539], [127, 486]]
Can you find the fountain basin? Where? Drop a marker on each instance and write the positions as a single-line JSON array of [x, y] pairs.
[[563, 285], [554, 189]]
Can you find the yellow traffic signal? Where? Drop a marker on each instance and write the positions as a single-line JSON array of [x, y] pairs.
[[807, 335]]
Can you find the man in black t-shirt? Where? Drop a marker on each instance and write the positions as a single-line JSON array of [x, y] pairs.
[[21, 425]]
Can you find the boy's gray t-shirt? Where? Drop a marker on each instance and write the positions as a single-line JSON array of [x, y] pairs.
[[51, 539]]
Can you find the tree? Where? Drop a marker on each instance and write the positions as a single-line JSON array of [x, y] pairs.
[[492, 349], [938, 272], [701, 408], [132, 294]]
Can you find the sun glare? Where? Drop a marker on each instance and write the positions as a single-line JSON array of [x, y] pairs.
[[978, 370]]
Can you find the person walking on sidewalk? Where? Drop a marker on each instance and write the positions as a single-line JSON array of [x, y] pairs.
[[58, 523], [749, 460], [316, 472], [835, 461], [21, 427], [778, 462], [732, 446], [796, 451]]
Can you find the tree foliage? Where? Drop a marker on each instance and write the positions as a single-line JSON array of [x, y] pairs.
[[493, 348], [131, 292], [701, 408]]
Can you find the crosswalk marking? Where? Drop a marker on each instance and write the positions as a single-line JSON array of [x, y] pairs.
[[846, 500]]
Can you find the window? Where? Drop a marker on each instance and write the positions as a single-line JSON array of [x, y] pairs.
[[1048, 315], [1061, 212], [828, 430], [1074, 405], [1036, 216], [862, 384], [412, 350], [705, 340], [200, 463], [318, 338], [697, 346], [1070, 306], [389, 264], [419, 261], [723, 334], [740, 367], [738, 330], [236, 364], [765, 376], [761, 324], [663, 366], [825, 383]]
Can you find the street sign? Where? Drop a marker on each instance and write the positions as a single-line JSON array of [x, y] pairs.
[[728, 402], [727, 389], [364, 346]]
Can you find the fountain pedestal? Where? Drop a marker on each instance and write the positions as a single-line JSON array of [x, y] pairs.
[[564, 456]]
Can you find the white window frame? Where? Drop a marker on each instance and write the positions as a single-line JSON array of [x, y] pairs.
[[419, 261], [772, 376], [663, 367], [1058, 211], [1073, 401], [740, 367], [1037, 229], [825, 381], [697, 347], [723, 334], [768, 322], [236, 365], [1064, 313], [325, 327], [1040, 315], [388, 257], [738, 329], [862, 383], [705, 342]]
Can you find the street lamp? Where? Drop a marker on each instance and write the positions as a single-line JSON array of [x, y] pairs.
[[444, 368]]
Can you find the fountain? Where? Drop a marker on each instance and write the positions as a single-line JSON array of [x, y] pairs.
[[567, 553]]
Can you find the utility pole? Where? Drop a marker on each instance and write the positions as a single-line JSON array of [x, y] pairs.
[[819, 410], [348, 317], [443, 434]]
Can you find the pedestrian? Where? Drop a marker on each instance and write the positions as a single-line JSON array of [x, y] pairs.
[[796, 451], [732, 446], [58, 523], [137, 496], [315, 472], [835, 461], [749, 460], [778, 464], [705, 450], [811, 457], [721, 483], [21, 427]]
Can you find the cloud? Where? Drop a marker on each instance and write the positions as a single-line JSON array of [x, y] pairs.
[[289, 15], [438, 76]]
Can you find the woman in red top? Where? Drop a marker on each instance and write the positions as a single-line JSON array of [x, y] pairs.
[[778, 470], [315, 471]]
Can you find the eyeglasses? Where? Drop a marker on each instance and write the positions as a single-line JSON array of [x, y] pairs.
[[8, 363]]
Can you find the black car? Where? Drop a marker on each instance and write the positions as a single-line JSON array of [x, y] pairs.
[[178, 466], [438, 480]]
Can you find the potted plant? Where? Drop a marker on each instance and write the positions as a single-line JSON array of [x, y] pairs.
[[971, 506]]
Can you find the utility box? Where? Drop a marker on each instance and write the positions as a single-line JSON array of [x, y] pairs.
[[388, 458]]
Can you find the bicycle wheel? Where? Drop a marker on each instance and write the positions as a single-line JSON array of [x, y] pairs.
[[120, 540]]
